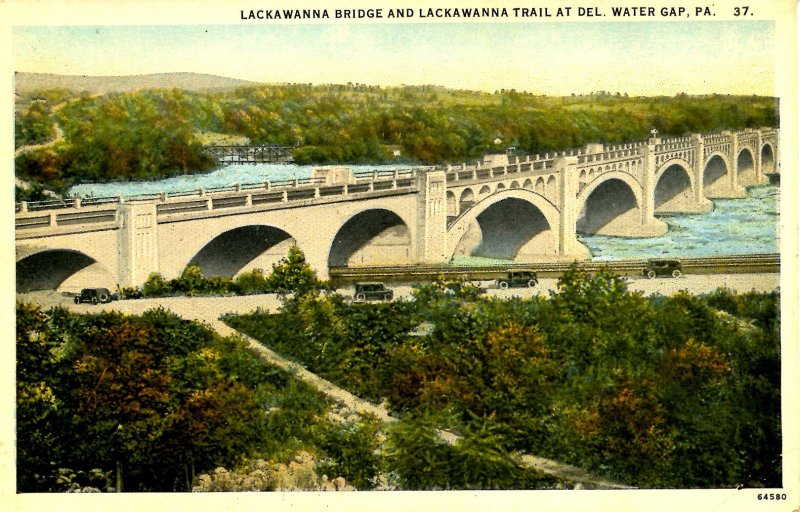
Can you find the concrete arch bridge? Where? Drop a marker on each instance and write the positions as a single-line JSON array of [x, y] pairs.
[[524, 208]]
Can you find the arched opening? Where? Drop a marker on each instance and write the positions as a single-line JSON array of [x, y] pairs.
[[767, 160], [484, 192], [452, 206], [242, 249], [62, 270], [466, 201], [527, 184], [500, 187], [515, 184], [539, 187], [373, 237], [746, 169], [611, 209], [551, 187], [715, 180], [510, 229], [673, 191]]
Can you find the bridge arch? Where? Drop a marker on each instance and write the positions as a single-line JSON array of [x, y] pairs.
[[746, 167], [539, 187], [715, 171], [466, 200], [767, 158], [375, 236], [242, 248], [514, 223], [61, 269], [609, 204], [674, 184]]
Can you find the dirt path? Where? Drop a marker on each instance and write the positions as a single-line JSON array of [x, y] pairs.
[[59, 132]]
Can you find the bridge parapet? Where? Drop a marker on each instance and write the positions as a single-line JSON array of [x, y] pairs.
[[749, 137], [101, 213], [523, 167]]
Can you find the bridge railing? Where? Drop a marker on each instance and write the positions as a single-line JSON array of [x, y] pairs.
[[263, 194], [49, 204]]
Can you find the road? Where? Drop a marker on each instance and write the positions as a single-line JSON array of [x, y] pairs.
[[202, 308]]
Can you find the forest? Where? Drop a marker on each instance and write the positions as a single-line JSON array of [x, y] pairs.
[[157, 133], [651, 392]]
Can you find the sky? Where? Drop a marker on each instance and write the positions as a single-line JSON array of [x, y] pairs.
[[637, 58]]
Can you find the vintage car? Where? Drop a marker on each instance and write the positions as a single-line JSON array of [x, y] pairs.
[[372, 291], [518, 279], [662, 268], [95, 296]]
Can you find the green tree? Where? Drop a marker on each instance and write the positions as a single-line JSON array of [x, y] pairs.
[[293, 273]]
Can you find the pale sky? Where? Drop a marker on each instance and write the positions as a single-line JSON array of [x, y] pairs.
[[638, 58]]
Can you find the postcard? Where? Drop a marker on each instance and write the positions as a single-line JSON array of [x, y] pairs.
[[457, 255]]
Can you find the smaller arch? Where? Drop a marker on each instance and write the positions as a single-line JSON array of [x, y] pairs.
[[452, 204], [539, 187], [484, 192], [767, 158], [527, 184], [551, 186], [515, 184]]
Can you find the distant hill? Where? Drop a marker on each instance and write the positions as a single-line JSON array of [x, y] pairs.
[[24, 83]]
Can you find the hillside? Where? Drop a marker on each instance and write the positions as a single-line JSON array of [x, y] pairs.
[[25, 83]]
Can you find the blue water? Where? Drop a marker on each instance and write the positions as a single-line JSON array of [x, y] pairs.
[[735, 226], [223, 177]]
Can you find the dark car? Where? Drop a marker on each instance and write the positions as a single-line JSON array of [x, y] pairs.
[[372, 291], [95, 296], [662, 268], [518, 279]]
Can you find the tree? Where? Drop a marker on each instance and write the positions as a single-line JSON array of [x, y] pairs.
[[292, 273]]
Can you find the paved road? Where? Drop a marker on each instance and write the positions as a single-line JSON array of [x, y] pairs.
[[202, 308]]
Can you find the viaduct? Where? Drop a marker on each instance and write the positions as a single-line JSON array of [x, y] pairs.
[[523, 208]]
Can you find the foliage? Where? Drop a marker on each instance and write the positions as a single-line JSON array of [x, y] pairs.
[[145, 402], [154, 133], [345, 343], [261, 475], [354, 451], [35, 192], [423, 461], [33, 126], [680, 391], [290, 274]]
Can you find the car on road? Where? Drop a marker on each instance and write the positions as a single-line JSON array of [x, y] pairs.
[[518, 279], [95, 296], [656, 268], [372, 291]]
